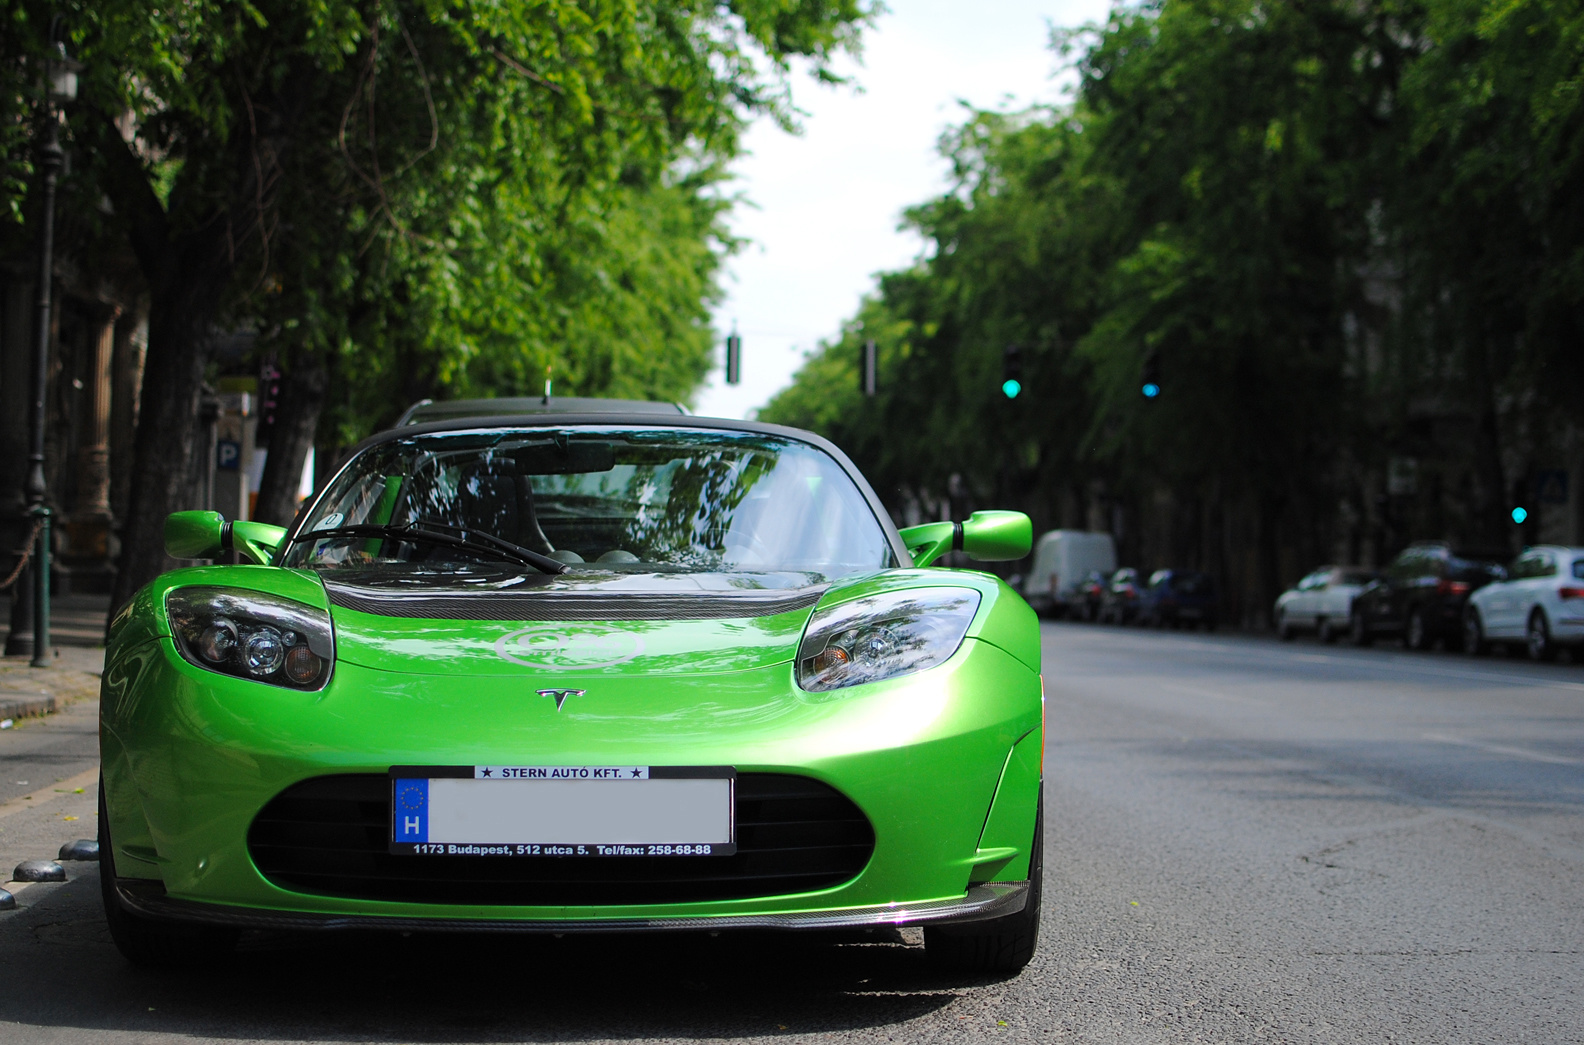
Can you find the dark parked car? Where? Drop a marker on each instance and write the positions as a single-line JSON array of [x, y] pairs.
[[1422, 595], [1178, 598], [1121, 599], [1090, 595]]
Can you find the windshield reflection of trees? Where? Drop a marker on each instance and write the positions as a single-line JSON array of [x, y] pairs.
[[722, 503]]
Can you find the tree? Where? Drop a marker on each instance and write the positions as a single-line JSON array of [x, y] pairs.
[[388, 173]]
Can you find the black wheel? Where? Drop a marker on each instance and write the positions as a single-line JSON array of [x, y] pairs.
[[1358, 631], [1415, 634], [1538, 638], [1001, 945], [1325, 631], [1474, 643], [1284, 628], [149, 941]]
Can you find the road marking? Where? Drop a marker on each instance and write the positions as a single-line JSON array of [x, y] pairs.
[[1507, 749], [86, 779]]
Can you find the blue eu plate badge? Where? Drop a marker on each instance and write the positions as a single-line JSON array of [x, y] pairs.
[[411, 820]]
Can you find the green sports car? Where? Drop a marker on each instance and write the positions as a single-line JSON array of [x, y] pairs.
[[603, 671]]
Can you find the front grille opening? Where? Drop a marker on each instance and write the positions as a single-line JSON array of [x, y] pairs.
[[328, 836]]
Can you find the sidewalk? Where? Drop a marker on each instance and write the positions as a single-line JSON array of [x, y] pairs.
[[77, 632]]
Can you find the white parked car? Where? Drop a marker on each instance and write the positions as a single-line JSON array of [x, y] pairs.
[[1321, 602], [1063, 561], [1540, 604]]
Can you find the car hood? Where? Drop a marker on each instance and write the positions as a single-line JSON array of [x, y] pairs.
[[576, 624]]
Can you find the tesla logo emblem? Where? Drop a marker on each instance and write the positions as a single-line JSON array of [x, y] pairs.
[[560, 695]]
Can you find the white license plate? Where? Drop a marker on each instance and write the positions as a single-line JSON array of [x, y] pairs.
[[562, 811]]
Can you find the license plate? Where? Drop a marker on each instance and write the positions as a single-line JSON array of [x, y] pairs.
[[563, 810]]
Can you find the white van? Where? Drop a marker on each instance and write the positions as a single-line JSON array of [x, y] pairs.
[[1063, 560]]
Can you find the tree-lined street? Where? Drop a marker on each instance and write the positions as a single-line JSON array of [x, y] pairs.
[[1247, 841]]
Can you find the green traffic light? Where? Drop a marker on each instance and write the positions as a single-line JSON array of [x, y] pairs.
[[1519, 515], [1011, 386]]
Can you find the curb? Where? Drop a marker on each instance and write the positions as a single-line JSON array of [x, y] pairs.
[[27, 707]]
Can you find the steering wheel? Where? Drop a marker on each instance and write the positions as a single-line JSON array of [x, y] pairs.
[[733, 539]]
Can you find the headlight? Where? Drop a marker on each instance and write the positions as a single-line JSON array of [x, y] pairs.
[[252, 635], [883, 636]]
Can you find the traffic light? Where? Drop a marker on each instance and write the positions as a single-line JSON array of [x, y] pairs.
[[269, 401], [1011, 371], [868, 368], [733, 359], [1150, 386], [1519, 515]]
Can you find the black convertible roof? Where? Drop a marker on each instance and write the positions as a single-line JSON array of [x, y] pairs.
[[446, 409]]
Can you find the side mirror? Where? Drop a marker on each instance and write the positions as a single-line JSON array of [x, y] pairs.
[[206, 535], [986, 537], [194, 535], [997, 536]]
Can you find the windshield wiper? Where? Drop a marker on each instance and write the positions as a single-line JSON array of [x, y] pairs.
[[488, 545]]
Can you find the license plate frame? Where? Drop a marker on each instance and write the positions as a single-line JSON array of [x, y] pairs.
[[432, 807]]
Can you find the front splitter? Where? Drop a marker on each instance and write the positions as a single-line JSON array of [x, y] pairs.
[[982, 902]]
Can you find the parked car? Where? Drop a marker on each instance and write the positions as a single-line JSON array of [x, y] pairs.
[[1178, 598], [1540, 605], [1120, 602], [1322, 602], [1091, 593], [1422, 595], [1063, 561]]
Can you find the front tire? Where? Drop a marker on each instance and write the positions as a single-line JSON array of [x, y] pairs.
[[1415, 635], [1000, 945], [148, 941], [1538, 638], [1358, 631], [1474, 641], [1284, 628]]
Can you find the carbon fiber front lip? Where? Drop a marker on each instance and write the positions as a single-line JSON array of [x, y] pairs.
[[993, 900]]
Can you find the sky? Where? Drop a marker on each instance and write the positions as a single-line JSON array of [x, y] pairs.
[[821, 209]]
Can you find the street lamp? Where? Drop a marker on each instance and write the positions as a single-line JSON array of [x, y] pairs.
[[60, 86]]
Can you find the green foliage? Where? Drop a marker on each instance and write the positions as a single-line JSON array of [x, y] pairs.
[[1343, 231], [440, 197]]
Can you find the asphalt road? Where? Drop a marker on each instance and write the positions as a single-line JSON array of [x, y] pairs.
[[1247, 841]]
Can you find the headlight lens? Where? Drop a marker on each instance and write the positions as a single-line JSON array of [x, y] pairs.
[[252, 635], [883, 636]]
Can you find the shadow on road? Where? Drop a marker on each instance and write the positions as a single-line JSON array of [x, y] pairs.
[[63, 972]]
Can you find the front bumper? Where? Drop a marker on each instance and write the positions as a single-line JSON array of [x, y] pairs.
[[982, 902], [190, 759]]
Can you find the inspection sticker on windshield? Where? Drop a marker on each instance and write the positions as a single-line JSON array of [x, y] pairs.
[[563, 810]]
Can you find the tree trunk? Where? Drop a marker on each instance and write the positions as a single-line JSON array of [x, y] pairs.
[[167, 440], [296, 420]]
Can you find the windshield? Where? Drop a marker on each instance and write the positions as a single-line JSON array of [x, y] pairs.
[[607, 499]]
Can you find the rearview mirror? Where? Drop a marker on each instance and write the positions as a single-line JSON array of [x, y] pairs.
[[207, 535], [986, 537], [571, 458]]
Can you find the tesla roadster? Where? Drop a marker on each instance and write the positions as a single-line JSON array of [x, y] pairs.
[[584, 672]]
